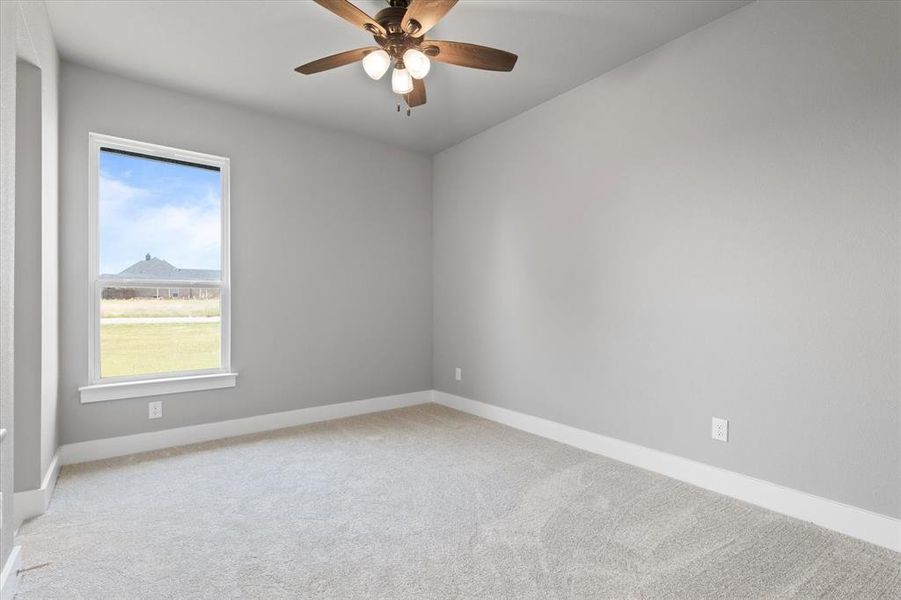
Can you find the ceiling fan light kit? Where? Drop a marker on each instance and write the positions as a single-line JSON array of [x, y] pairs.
[[417, 63], [399, 30], [401, 81], [376, 64]]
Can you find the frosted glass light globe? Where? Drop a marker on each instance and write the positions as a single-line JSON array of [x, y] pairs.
[[401, 82], [376, 63], [417, 63]]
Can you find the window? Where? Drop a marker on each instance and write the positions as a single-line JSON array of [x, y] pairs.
[[159, 277]]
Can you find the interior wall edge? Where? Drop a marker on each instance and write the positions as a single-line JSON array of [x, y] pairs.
[[9, 576], [8, 37], [33, 503]]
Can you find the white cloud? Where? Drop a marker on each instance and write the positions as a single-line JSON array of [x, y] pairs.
[[116, 194], [182, 230]]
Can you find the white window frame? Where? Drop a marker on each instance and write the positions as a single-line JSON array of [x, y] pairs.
[[113, 388]]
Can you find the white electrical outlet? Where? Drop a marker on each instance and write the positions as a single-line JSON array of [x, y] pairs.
[[720, 429], [458, 374], [155, 410]]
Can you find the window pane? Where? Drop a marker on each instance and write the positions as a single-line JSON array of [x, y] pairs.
[[158, 330], [158, 219]]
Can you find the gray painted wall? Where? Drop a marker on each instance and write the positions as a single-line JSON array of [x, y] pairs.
[[43, 52], [7, 256], [339, 229], [709, 230], [36, 260], [28, 278]]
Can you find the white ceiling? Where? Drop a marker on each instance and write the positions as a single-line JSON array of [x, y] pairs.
[[245, 53]]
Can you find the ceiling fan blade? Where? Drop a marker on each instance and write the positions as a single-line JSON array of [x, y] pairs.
[[417, 96], [469, 55], [423, 14], [335, 60], [351, 13]]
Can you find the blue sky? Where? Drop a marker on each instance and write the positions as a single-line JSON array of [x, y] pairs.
[[149, 206]]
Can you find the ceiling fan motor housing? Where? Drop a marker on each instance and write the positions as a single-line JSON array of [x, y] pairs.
[[397, 41]]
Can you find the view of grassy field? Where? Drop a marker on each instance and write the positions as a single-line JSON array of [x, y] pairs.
[[159, 307], [140, 336], [143, 348]]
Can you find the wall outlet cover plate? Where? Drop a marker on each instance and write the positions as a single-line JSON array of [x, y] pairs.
[[155, 410], [719, 429]]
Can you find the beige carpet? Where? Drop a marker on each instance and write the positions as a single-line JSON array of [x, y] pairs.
[[423, 502]]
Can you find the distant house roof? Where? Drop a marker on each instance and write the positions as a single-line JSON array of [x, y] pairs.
[[157, 268]]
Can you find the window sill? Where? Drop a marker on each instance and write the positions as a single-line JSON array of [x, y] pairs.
[[102, 392]]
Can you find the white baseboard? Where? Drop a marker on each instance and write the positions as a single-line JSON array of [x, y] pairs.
[[9, 577], [180, 436], [33, 503], [850, 520]]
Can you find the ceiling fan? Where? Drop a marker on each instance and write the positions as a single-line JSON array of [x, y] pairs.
[[399, 30]]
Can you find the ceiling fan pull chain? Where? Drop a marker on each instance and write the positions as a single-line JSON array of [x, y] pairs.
[[398, 108], [408, 112]]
